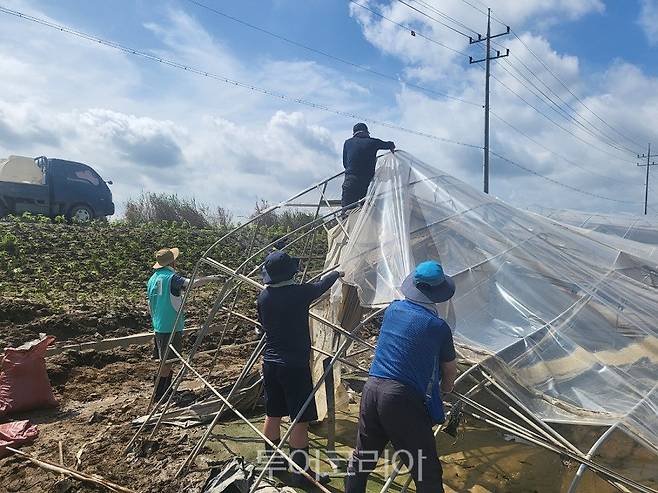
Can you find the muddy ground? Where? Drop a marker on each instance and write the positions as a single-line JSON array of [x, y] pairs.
[[99, 393]]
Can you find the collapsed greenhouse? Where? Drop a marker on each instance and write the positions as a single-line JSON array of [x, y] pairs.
[[554, 323]]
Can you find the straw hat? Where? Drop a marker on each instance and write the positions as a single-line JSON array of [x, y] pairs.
[[165, 257]]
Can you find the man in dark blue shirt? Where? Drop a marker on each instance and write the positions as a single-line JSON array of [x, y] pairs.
[[415, 356], [283, 308], [359, 160]]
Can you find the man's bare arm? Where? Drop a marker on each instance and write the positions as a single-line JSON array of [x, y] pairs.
[[448, 375]]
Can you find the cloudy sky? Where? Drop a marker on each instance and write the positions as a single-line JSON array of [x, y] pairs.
[[152, 127]]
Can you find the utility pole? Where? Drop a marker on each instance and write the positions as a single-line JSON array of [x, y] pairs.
[[649, 156], [487, 59]]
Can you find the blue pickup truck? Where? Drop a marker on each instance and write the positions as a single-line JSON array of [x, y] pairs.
[[53, 187]]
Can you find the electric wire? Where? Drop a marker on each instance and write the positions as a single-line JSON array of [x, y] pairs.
[[562, 112], [529, 170], [552, 73], [575, 116], [615, 180], [226, 80], [559, 110], [557, 124], [329, 55], [559, 183], [445, 15], [409, 29], [305, 102], [434, 19]]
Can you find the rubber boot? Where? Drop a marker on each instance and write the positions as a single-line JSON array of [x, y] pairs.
[[300, 457], [161, 388], [278, 465], [166, 385]]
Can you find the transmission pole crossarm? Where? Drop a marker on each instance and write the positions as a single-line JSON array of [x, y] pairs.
[[498, 55], [484, 38]]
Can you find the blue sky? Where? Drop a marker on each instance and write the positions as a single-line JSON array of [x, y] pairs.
[[151, 127]]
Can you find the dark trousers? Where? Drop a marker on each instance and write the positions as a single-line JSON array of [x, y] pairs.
[[393, 412], [354, 189]]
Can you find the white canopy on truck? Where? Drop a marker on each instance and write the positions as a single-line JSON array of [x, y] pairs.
[[21, 169]]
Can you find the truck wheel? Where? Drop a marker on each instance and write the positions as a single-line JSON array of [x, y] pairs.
[[82, 213]]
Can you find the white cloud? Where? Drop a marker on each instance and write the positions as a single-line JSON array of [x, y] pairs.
[[648, 20]]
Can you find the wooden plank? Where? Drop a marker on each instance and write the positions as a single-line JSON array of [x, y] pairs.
[[111, 343]]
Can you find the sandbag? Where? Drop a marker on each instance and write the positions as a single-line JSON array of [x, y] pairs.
[[14, 433], [24, 383]]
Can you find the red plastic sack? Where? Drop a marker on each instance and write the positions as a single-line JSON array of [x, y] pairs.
[[14, 433], [24, 383]]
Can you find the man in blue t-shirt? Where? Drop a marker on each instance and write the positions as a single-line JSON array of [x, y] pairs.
[[283, 308], [414, 362], [359, 160]]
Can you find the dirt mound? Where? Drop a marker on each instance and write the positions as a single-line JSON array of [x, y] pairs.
[[24, 321], [15, 311]]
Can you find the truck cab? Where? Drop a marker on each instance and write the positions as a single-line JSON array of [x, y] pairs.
[[53, 187]]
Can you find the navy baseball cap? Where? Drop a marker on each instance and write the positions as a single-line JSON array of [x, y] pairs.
[[428, 284], [279, 267]]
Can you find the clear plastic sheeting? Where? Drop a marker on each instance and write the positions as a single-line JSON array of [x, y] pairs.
[[564, 320], [639, 228]]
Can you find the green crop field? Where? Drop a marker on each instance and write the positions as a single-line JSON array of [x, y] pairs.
[[74, 280]]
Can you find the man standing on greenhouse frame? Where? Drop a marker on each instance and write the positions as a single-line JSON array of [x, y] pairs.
[[359, 161]]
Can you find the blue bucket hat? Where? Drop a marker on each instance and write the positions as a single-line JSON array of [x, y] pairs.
[[428, 284], [279, 267]]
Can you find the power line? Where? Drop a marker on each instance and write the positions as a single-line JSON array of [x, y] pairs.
[[434, 18], [553, 74], [557, 124], [566, 103], [557, 154], [407, 28], [226, 80], [548, 69], [559, 183], [534, 107], [327, 54], [444, 15], [561, 111], [411, 31]]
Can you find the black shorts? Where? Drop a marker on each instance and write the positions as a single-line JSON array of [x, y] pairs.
[[161, 339], [286, 391]]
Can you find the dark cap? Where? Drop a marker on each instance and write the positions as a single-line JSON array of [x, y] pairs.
[[360, 127], [279, 267]]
